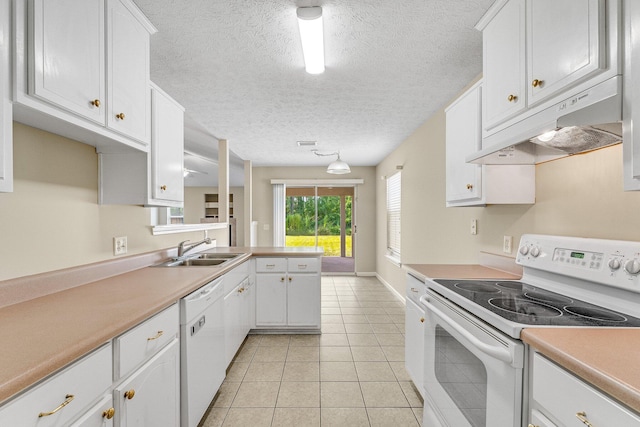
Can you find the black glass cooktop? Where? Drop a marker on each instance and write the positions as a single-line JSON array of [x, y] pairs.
[[522, 303]]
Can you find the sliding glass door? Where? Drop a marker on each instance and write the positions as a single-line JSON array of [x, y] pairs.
[[322, 216]]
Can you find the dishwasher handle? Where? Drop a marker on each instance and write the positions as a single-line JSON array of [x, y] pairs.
[[499, 353], [204, 292]]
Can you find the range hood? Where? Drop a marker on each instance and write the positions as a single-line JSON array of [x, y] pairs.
[[588, 120]]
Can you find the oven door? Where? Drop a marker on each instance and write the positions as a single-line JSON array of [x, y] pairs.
[[473, 372]]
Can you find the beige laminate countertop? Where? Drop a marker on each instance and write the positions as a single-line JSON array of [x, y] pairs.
[[605, 357], [42, 335], [458, 271]]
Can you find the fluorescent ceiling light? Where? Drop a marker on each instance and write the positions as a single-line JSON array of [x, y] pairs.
[[310, 25]]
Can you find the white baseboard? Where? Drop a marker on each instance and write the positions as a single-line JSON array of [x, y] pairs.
[[366, 273], [391, 288]]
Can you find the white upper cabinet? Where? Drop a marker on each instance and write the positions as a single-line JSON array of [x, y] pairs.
[[464, 180], [68, 60], [167, 148], [82, 70], [504, 64], [151, 179], [477, 185], [6, 110], [539, 52], [565, 44], [128, 64]]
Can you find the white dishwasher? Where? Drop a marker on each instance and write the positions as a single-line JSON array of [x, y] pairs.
[[202, 356]]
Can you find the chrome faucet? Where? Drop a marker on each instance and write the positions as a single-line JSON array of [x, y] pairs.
[[182, 250]]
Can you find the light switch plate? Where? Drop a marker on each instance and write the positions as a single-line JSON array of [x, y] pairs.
[[474, 227]]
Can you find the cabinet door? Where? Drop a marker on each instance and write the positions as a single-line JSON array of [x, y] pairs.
[[303, 300], [167, 148], [129, 109], [464, 180], [6, 109], [68, 56], [504, 64], [151, 395], [248, 309], [232, 323], [414, 344], [271, 300], [100, 415], [563, 47]]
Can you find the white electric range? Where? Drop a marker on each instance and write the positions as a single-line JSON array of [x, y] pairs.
[[473, 374]]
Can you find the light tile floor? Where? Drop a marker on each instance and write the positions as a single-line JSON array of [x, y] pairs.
[[351, 375]]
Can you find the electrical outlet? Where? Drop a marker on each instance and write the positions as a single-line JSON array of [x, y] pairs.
[[120, 245], [507, 242], [265, 227], [474, 227]]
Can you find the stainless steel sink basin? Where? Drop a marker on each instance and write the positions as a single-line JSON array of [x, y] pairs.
[[217, 256], [206, 260]]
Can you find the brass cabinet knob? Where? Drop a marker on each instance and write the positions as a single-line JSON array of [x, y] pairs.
[[241, 290], [129, 394], [120, 116], [422, 320], [290, 278], [469, 186], [96, 103], [282, 279], [532, 425], [537, 83], [512, 98], [163, 188], [109, 413], [68, 398]]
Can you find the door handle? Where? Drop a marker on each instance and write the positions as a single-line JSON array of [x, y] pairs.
[[498, 352]]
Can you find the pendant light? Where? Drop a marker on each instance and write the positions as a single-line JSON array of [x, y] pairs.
[[338, 167]]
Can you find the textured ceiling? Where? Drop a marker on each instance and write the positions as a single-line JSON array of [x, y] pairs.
[[237, 67]]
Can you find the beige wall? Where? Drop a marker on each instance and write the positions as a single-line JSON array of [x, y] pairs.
[[194, 207], [576, 196], [52, 219], [365, 207]]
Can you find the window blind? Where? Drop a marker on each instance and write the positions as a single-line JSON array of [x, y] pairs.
[[393, 214]]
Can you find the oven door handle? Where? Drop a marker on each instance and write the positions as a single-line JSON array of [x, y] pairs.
[[497, 352]]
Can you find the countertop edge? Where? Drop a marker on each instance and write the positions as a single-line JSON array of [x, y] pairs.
[[605, 382], [82, 279]]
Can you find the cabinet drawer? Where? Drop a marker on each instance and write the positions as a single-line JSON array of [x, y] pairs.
[[301, 265], [271, 265], [561, 396], [79, 385], [143, 341]]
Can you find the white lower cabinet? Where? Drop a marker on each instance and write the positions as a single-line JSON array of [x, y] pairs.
[[558, 398], [100, 415], [414, 332], [288, 293], [414, 344], [234, 332], [151, 395], [63, 397]]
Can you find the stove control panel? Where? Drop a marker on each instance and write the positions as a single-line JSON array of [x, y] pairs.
[[614, 263], [580, 259]]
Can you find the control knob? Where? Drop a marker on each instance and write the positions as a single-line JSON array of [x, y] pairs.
[[632, 266], [535, 251], [614, 264], [524, 250]]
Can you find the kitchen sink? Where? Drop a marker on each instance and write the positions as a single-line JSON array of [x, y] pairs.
[[217, 256], [202, 260]]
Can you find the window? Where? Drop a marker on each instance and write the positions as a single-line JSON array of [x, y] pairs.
[[393, 216]]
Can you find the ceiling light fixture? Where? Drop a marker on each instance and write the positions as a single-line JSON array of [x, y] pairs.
[[337, 167], [310, 25]]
